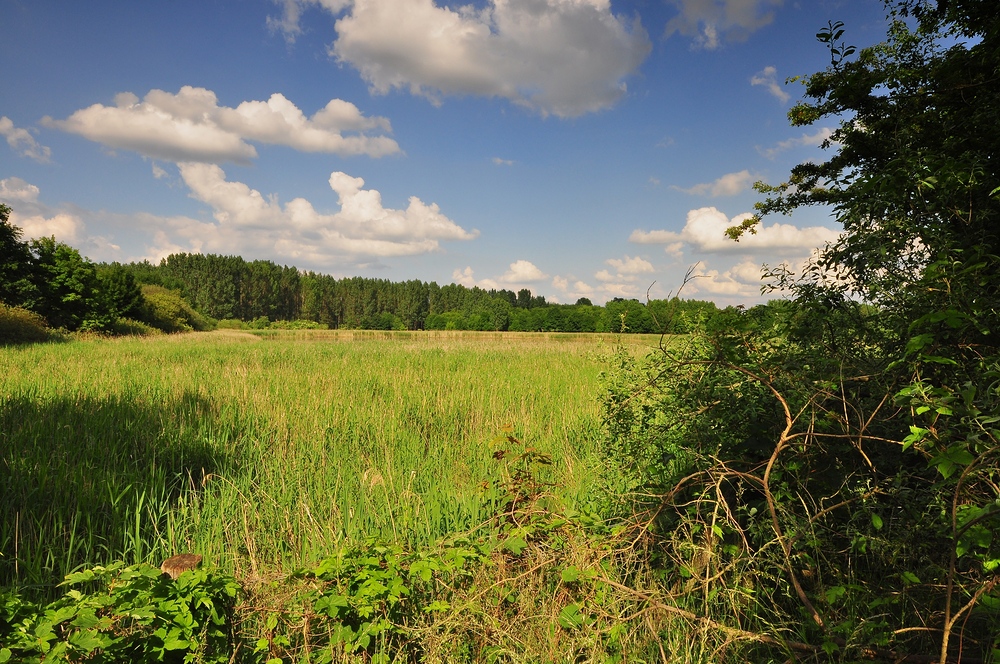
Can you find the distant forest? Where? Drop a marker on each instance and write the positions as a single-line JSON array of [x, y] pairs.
[[229, 288]]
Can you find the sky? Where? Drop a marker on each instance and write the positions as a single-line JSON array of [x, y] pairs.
[[577, 148]]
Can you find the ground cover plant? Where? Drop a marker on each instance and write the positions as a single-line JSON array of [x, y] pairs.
[[262, 454]]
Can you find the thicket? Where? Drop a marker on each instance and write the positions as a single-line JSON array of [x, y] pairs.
[[827, 476], [46, 285]]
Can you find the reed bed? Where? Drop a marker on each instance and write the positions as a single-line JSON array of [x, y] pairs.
[[262, 452]]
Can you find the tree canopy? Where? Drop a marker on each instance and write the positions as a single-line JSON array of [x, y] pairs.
[[838, 455]]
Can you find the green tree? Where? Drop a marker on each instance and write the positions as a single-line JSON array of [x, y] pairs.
[[841, 448], [65, 287], [15, 262], [119, 291]]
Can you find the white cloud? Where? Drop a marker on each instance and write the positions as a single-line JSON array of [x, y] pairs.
[[604, 275], [742, 280], [708, 22], [22, 142], [35, 219], [249, 224], [768, 78], [572, 291], [808, 140], [627, 269], [729, 184], [561, 57], [520, 274], [362, 227], [705, 231], [17, 190], [502, 162], [612, 290], [291, 12], [65, 227], [192, 126], [464, 277]]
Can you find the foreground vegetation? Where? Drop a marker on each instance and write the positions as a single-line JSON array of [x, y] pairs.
[[262, 455], [418, 495], [816, 479]]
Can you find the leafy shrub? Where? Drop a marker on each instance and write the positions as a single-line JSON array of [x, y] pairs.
[[123, 614], [166, 310], [297, 325], [18, 325], [123, 327], [259, 323], [231, 324]]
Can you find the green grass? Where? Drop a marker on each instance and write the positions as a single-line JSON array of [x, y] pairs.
[[264, 451]]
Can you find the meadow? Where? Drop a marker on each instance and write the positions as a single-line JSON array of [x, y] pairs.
[[265, 451]]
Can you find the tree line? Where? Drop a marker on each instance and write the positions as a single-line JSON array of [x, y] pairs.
[[231, 288], [189, 291]]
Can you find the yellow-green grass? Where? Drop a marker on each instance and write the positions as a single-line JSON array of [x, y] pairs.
[[262, 452]]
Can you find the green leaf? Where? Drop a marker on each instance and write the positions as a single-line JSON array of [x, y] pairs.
[[89, 640], [515, 545], [570, 574], [877, 521], [571, 617], [910, 577], [4, 654], [835, 593]]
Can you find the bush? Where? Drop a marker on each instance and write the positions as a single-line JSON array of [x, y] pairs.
[[124, 327], [166, 310], [231, 324], [297, 325], [19, 325]]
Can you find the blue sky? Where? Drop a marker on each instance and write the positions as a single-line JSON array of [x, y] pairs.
[[579, 148]]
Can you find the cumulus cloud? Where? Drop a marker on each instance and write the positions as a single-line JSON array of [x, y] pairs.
[[520, 274], [626, 269], [729, 184], [192, 126], [362, 227], [35, 219], [22, 142], [572, 289], [502, 162], [560, 57], [16, 190], [705, 231], [768, 78], [815, 139], [709, 22], [742, 280]]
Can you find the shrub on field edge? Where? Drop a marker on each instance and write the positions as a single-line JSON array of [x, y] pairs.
[[18, 325], [297, 325], [123, 327], [166, 310]]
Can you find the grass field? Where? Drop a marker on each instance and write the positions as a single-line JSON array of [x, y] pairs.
[[264, 451]]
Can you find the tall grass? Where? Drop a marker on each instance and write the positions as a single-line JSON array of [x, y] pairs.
[[263, 452]]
